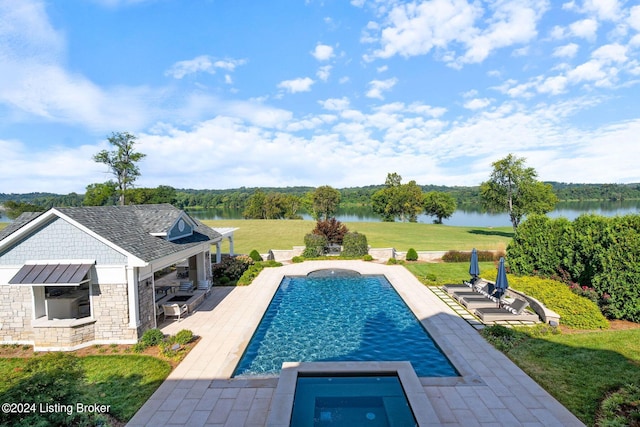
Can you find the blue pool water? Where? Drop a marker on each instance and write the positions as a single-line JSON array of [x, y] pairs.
[[340, 318], [376, 401]]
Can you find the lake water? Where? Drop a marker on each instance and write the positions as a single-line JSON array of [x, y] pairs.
[[464, 216]]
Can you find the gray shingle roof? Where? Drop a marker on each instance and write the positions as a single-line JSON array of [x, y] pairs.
[[129, 228]]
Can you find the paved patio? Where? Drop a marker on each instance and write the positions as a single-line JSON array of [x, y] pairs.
[[491, 391]]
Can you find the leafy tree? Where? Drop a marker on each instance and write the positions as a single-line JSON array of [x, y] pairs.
[[15, 209], [332, 229], [100, 194], [325, 202], [514, 189], [121, 161], [398, 200], [439, 204]]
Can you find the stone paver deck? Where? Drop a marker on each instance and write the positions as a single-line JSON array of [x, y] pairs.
[[491, 390]]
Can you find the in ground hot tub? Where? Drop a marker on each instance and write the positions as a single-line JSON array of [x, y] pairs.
[[376, 400], [349, 394]]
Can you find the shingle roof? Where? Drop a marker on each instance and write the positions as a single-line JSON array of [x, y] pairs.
[[129, 228], [18, 223]]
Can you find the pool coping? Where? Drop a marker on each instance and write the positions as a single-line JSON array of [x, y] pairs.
[[282, 403], [200, 391]]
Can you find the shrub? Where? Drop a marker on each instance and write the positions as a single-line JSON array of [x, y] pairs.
[[355, 245], [232, 267], [621, 408], [574, 311], [297, 259], [255, 256], [412, 255], [184, 337], [593, 252], [152, 337], [253, 271], [367, 257], [332, 229], [392, 261], [314, 245], [458, 256]]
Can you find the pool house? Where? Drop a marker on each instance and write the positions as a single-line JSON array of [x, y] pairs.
[[73, 277]]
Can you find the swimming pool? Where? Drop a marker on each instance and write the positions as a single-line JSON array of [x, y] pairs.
[[340, 318]]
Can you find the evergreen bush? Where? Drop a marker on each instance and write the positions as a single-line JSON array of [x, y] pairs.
[[183, 337], [412, 255], [354, 245], [152, 337], [314, 245], [255, 256], [593, 255]]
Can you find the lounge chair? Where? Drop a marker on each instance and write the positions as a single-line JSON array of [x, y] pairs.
[[175, 310], [457, 288], [472, 302], [515, 311], [186, 286], [485, 290]]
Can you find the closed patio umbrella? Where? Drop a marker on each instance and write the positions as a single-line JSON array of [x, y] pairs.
[[474, 268], [501, 282]]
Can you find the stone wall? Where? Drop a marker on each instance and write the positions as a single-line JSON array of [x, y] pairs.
[[63, 338], [146, 300], [111, 311], [17, 310]]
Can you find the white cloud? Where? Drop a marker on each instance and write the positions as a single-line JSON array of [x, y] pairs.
[[377, 87], [202, 63], [324, 72], [302, 84], [553, 85], [335, 104], [603, 9], [586, 29], [416, 29], [477, 103], [567, 51], [382, 68], [323, 52], [611, 53], [634, 18]]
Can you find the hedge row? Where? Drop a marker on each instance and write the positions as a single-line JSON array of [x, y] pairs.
[[591, 252], [458, 256], [574, 311]]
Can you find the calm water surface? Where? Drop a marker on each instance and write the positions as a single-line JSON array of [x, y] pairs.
[[464, 216]]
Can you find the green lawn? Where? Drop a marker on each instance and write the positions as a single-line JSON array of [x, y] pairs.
[[444, 273], [124, 382], [580, 369], [263, 235]]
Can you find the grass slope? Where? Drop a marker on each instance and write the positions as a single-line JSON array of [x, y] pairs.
[[264, 235]]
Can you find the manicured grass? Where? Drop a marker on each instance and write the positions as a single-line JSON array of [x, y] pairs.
[[3, 225], [446, 272], [125, 382], [264, 235], [580, 369]]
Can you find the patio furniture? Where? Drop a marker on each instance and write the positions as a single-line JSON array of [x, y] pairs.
[[486, 290], [186, 286], [175, 310], [515, 311], [159, 311]]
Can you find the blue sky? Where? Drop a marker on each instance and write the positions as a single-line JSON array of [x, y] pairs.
[[230, 93]]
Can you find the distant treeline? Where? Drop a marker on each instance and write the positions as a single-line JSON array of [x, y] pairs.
[[237, 198]]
